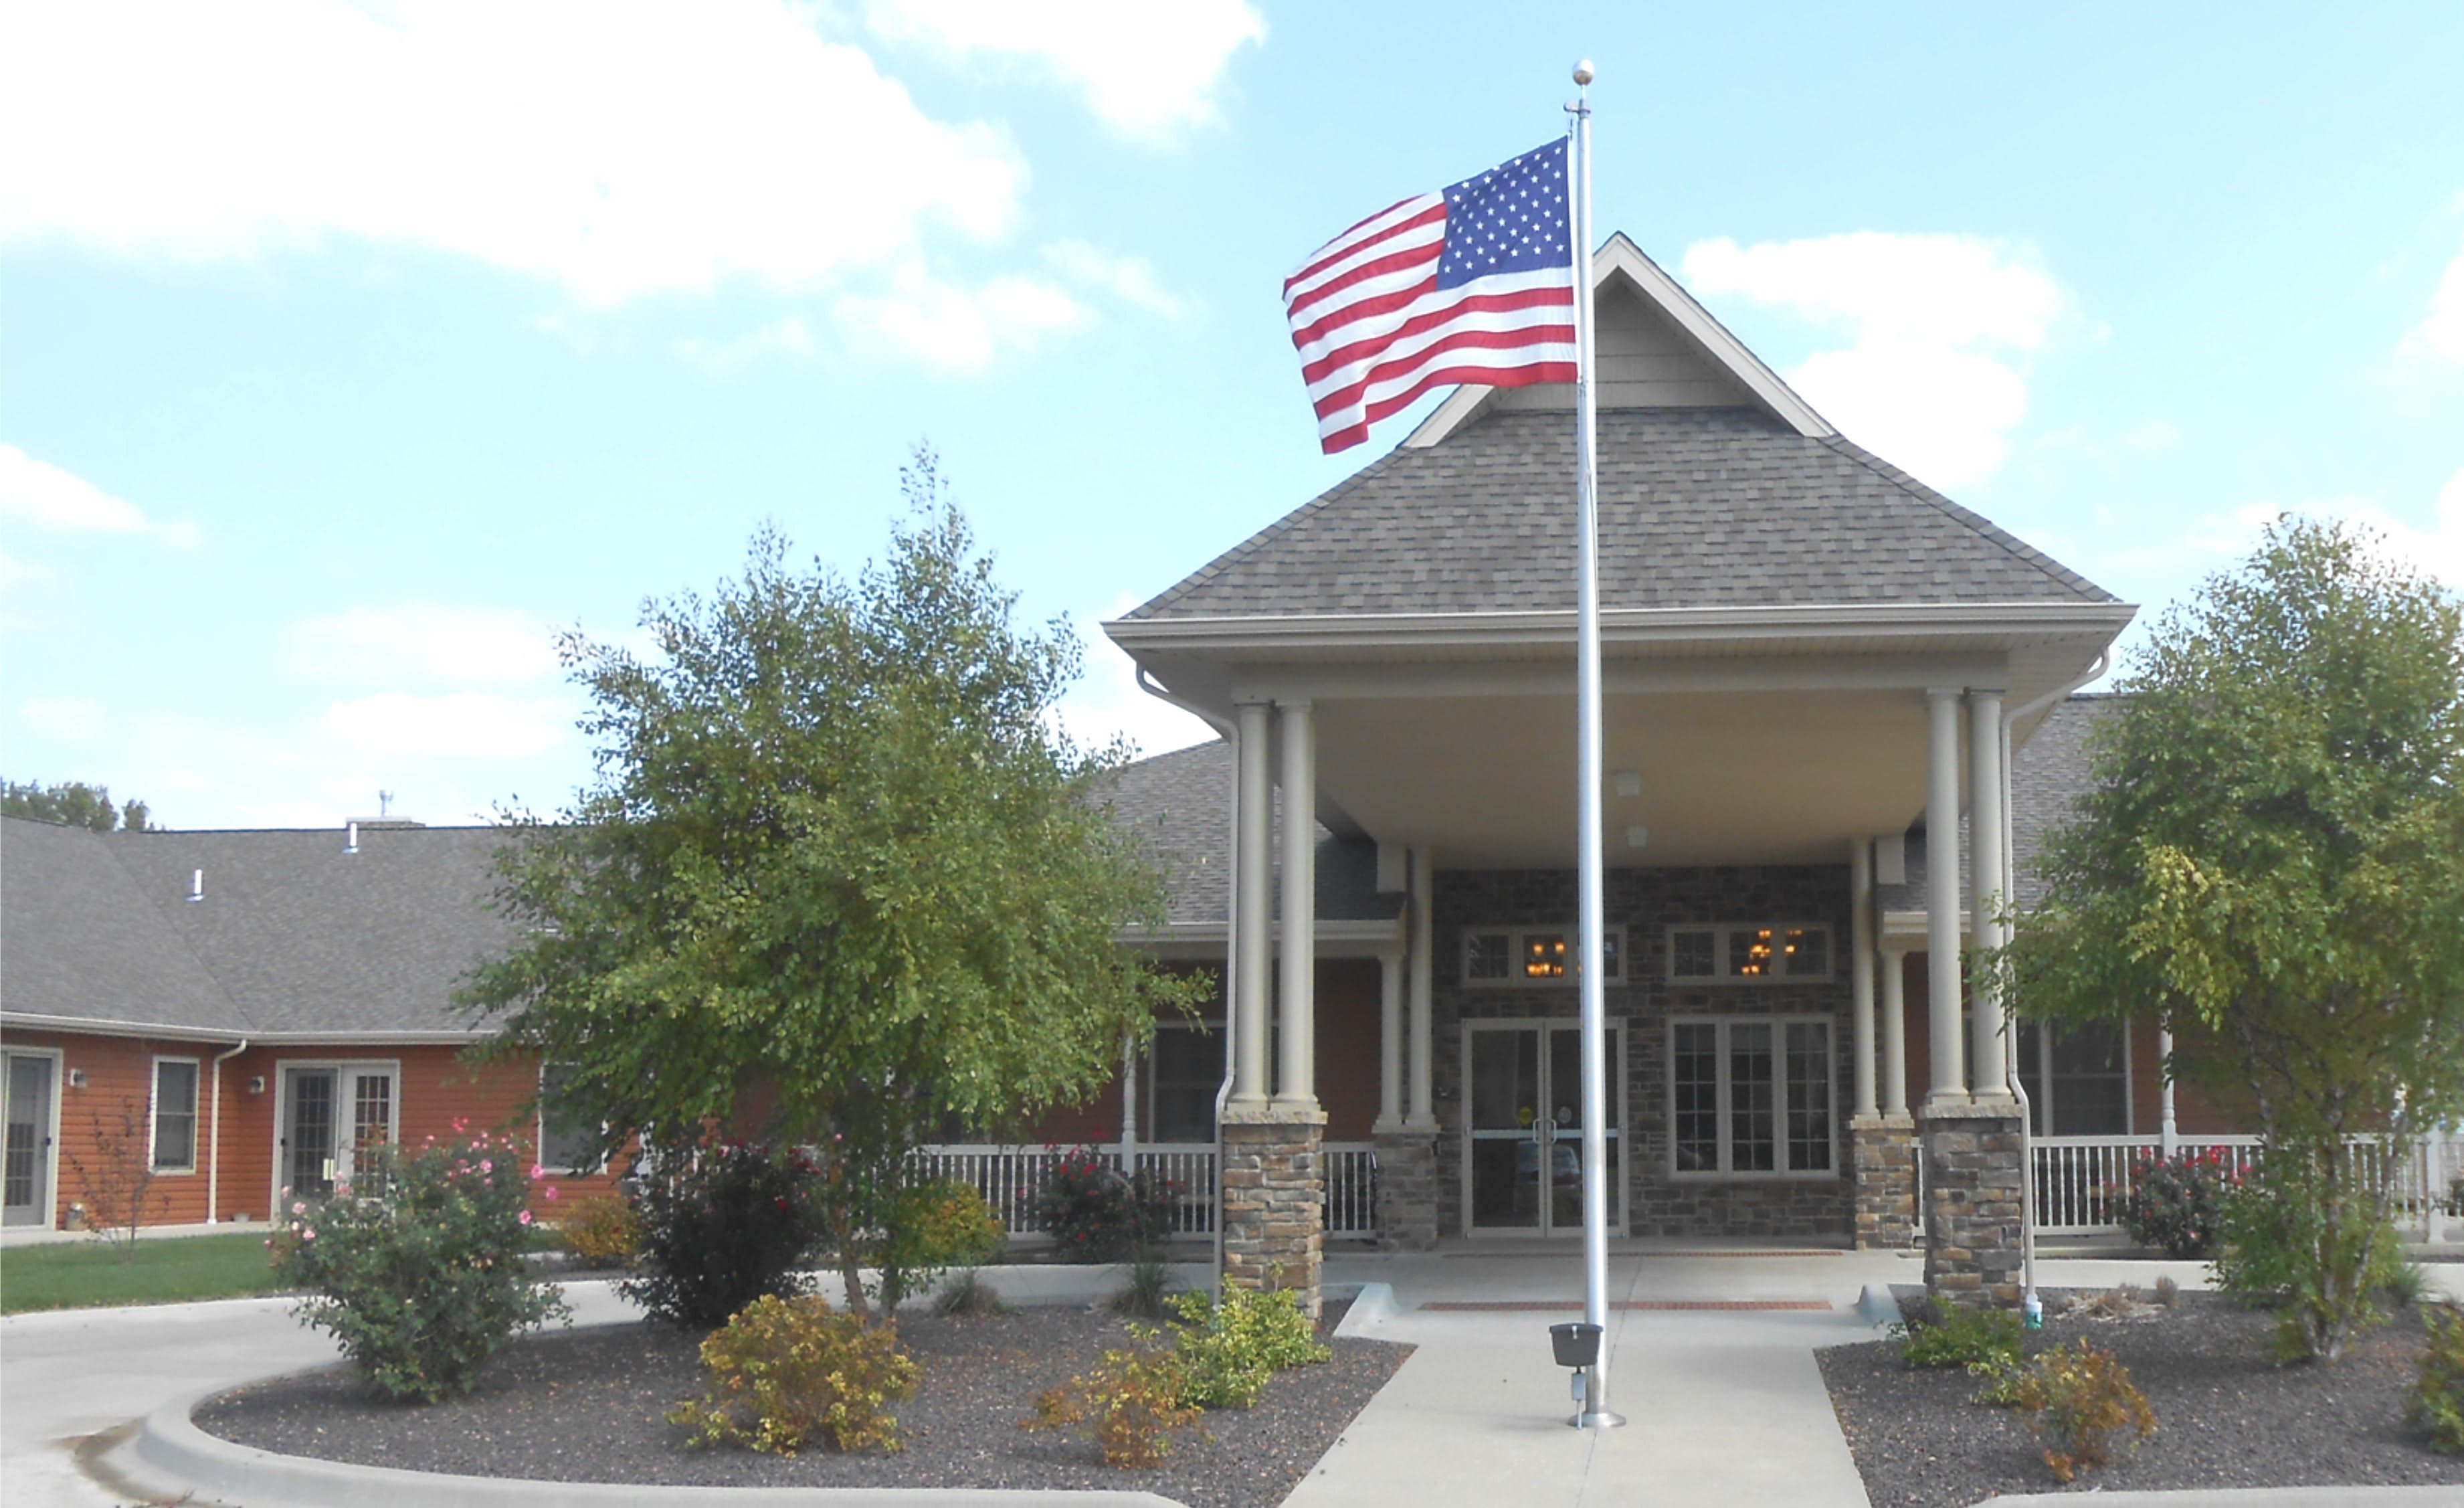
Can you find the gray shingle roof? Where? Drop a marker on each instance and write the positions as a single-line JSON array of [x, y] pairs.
[[1699, 508], [1180, 805], [292, 935]]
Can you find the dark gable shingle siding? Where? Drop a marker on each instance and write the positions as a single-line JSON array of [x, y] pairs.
[[1699, 508]]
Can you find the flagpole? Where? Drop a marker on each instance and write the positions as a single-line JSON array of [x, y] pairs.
[[1594, 1412]]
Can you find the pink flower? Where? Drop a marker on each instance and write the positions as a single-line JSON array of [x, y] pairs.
[[461, 1124], [551, 1194], [308, 1235], [537, 1171], [487, 1164], [526, 1218], [299, 1208]]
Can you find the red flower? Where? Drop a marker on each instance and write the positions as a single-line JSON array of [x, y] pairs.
[[781, 1203]]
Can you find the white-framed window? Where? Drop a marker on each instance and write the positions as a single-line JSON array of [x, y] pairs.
[[1184, 1068], [567, 1143], [173, 1145], [1514, 958], [2078, 1076], [1752, 953], [1750, 1097]]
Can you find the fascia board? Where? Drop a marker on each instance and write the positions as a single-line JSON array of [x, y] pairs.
[[92, 1026], [1218, 636], [1345, 933]]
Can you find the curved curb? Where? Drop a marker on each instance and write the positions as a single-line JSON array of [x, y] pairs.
[[171, 1456], [2380, 1497]]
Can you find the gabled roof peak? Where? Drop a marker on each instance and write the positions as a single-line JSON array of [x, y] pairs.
[[1655, 348]]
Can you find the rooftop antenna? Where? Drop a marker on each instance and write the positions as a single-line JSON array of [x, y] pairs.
[[384, 803]]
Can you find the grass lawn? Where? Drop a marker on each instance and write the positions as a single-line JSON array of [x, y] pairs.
[[166, 1269]]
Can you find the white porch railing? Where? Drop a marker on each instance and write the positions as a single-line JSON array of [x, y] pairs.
[[2081, 1180], [1011, 1177]]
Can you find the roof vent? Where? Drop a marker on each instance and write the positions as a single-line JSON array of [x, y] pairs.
[[197, 885], [350, 838]]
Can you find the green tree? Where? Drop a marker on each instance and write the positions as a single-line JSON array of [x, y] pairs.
[[837, 851], [71, 803], [2272, 862]]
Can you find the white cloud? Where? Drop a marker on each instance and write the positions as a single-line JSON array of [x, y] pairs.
[[2436, 547], [2442, 331], [47, 497], [617, 149], [470, 723], [954, 327], [1147, 70], [430, 641], [1936, 331], [67, 718], [790, 336], [1131, 279]]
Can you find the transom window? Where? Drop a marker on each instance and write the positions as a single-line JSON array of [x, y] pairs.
[[175, 1115], [1516, 956], [1749, 953], [1749, 1097]]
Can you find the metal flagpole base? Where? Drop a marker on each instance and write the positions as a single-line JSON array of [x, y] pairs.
[[1597, 1421]]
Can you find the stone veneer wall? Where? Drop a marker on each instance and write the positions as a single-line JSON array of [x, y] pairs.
[[1884, 1161], [1407, 1192], [1274, 1213], [1646, 903], [1972, 1203]]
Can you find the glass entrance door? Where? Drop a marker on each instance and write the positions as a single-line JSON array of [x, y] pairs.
[[1523, 1171], [28, 1172], [330, 1115]]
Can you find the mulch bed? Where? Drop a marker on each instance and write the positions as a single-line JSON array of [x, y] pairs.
[[589, 1407], [2226, 1415]]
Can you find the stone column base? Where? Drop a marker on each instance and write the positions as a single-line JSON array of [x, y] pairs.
[[1407, 1190], [1973, 1212], [1274, 1203], [1882, 1152]]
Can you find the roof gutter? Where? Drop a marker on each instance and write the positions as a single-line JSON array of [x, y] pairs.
[[28, 1022]]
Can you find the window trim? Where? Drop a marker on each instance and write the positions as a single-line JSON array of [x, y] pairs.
[[538, 1148], [1210, 1026], [1724, 980], [2041, 1094], [154, 1114], [1515, 936], [1780, 1019]]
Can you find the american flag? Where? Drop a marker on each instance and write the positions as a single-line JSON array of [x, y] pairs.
[[1472, 284]]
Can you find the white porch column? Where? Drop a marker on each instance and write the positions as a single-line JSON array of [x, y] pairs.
[[1129, 1105], [1895, 1030], [1253, 910], [1860, 951], [1390, 1042], [2169, 1136], [1296, 1076], [1941, 895], [1423, 944], [1989, 1077]]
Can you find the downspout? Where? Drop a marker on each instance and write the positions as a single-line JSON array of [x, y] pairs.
[[1231, 734], [214, 1150], [2010, 1039]]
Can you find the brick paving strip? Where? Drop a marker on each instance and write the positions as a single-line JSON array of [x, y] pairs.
[[1650, 1305]]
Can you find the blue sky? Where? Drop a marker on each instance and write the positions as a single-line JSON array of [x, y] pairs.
[[345, 352]]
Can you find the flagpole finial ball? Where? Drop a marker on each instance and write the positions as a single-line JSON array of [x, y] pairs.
[[1583, 73]]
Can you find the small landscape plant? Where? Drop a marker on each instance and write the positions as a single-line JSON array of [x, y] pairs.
[[968, 1294], [2173, 1202], [786, 1370], [114, 1175], [1145, 1285], [2290, 1241], [1230, 1349], [602, 1233], [1129, 1405], [723, 1225], [1096, 1214], [2076, 1397], [1984, 1343], [420, 1277], [940, 1224], [2435, 1406]]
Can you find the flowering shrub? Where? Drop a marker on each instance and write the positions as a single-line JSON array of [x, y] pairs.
[[1095, 1214], [787, 1369], [2435, 1405], [723, 1225], [2075, 1396], [1228, 1350], [1129, 1405], [2173, 1203], [421, 1276]]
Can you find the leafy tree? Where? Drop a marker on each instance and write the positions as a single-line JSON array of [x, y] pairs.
[[2272, 862], [837, 859], [71, 803]]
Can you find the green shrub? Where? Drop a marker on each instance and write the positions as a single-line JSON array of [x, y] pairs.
[[968, 1294], [1228, 1350], [603, 1231], [2435, 1405], [723, 1225], [788, 1369], [1129, 1405], [2174, 1202], [420, 1276], [1985, 1342], [938, 1224], [1093, 1214], [2310, 1248], [1146, 1285], [2075, 1396]]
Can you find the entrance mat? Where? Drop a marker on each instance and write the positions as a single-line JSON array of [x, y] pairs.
[[1495, 1254], [1649, 1305]]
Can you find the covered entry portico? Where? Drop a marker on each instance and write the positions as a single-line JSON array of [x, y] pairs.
[[1807, 655]]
